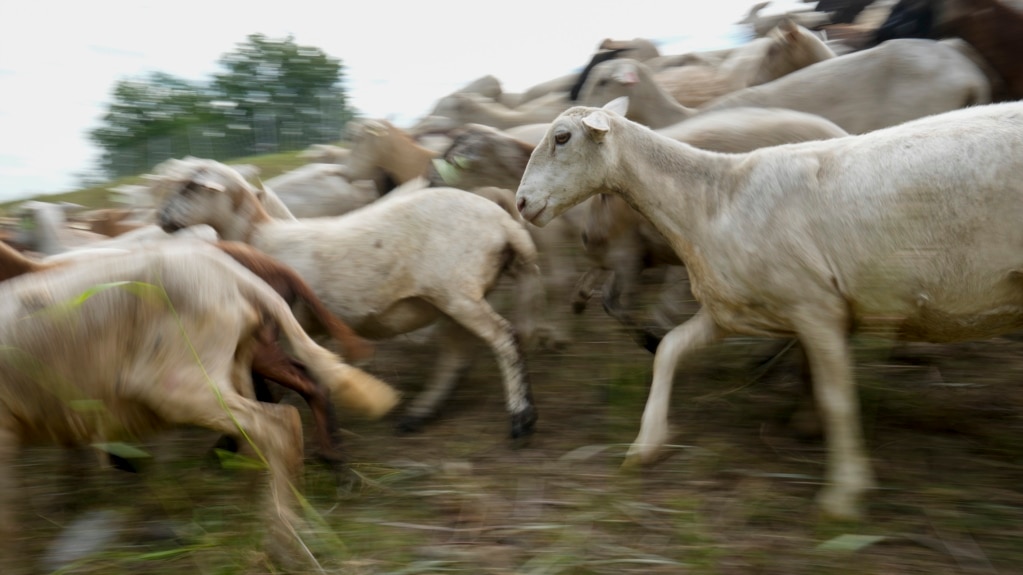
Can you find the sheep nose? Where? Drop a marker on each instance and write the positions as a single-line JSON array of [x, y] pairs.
[[521, 204]]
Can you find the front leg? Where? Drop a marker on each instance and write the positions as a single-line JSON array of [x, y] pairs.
[[824, 339], [692, 335]]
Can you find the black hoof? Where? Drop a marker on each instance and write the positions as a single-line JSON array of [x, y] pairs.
[[410, 424], [649, 341], [578, 307], [522, 423]]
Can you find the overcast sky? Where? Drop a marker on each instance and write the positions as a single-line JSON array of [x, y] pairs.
[[59, 60]]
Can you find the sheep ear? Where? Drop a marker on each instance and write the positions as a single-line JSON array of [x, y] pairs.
[[619, 105], [597, 126]]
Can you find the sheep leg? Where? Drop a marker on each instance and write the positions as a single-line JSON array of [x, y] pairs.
[[270, 362], [481, 320], [452, 361], [698, 332], [617, 295], [583, 290], [848, 470], [275, 434]]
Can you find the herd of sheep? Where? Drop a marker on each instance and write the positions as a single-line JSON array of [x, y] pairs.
[[805, 190]]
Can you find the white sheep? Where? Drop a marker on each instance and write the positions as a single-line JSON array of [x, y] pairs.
[[892, 83], [389, 268], [787, 48], [322, 189], [459, 109], [159, 337], [910, 232]]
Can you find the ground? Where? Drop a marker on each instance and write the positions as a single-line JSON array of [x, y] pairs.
[[735, 494]]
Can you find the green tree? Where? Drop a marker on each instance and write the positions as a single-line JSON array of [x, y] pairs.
[[273, 95], [291, 95], [147, 122]]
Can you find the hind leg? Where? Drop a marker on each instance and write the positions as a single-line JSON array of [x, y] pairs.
[[453, 359], [476, 316], [273, 432]]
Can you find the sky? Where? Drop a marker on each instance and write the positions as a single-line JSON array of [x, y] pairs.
[[60, 59]]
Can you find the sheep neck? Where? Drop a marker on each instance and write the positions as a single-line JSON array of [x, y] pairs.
[[249, 216], [677, 187], [406, 159]]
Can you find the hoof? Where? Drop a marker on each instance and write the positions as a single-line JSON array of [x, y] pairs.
[[838, 505], [410, 424], [522, 423], [578, 307], [650, 341]]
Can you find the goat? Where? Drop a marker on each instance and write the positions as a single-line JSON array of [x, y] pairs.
[[389, 268], [909, 232], [160, 336]]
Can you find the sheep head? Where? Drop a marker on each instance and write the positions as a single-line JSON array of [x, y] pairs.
[[196, 191], [370, 145], [569, 164], [482, 156]]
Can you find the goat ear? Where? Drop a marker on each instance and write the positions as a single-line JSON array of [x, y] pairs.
[[596, 126], [619, 105]]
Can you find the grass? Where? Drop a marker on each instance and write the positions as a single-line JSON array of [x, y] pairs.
[[98, 196]]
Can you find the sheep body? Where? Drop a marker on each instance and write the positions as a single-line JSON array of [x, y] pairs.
[[909, 232], [391, 267]]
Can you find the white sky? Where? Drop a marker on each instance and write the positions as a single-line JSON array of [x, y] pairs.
[[59, 60]]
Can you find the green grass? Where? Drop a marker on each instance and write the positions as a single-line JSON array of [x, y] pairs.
[[99, 196]]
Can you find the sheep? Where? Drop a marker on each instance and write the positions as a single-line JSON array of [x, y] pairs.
[[321, 189], [324, 154], [787, 48], [614, 236], [897, 81], [763, 24], [380, 146], [909, 232], [159, 337], [389, 268], [458, 109], [270, 363], [992, 27], [44, 227]]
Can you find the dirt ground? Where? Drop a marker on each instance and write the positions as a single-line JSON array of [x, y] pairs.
[[735, 494]]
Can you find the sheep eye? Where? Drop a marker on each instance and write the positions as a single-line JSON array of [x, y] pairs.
[[562, 137]]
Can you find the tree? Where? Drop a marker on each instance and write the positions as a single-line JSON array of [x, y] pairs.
[[291, 95], [273, 95], [148, 122]]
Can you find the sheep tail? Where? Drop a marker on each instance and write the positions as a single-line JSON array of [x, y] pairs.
[[351, 389]]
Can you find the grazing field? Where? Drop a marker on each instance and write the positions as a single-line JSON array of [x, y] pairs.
[[734, 495]]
